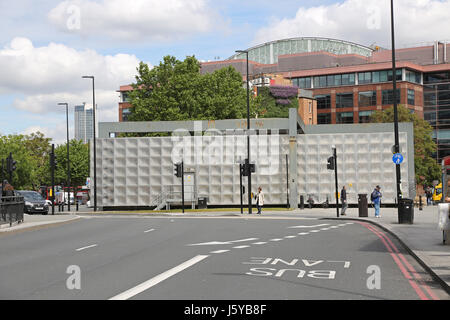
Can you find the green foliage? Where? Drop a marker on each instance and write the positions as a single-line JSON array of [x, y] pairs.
[[269, 108], [32, 153], [177, 91], [427, 169], [79, 163]]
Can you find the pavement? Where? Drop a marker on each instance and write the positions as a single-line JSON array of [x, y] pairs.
[[423, 240]]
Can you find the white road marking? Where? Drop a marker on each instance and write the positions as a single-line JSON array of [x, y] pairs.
[[220, 251], [334, 227], [149, 230], [299, 227], [315, 231], [241, 247], [303, 233], [155, 280], [213, 243], [276, 240], [325, 229], [290, 237], [260, 243], [87, 247]]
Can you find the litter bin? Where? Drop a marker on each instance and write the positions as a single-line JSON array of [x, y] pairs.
[[363, 206], [202, 203], [302, 202], [406, 211]]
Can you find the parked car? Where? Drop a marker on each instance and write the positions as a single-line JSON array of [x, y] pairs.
[[34, 202]]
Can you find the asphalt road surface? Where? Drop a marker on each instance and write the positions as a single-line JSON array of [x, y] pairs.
[[225, 258]]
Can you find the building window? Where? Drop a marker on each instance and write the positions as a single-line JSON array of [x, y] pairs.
[[387, 97], [411, 97], [323, 101], [125, 97], [412, 76], [436, 77], [334, 80], [344, 117], [364, 77], [364, 116], [125, 114], [367, 99], [324, 118], [348, 79], [344, 100], [302, 83], [310, 107], [385, 76]]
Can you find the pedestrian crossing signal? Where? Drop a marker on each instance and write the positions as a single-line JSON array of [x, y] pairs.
[[330, 165], [178, 170]]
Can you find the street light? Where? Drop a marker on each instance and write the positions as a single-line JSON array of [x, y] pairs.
[[394, 96], [248, 138], [68, 158], [95, 146]]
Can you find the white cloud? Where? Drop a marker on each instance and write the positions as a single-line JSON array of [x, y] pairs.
[[365, 22], [136, 19], [45, 76], [56, 132]]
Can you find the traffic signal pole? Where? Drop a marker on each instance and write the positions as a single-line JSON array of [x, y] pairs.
[[52, 172], [336, 181], [182, 184]]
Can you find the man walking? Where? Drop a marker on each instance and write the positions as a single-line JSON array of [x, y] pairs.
[[344, 200], [376, 199], [259, 200]]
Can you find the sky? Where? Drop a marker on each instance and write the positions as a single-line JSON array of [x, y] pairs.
[[46, 46]]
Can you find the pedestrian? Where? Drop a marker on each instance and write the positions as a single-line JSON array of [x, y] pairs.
[[429, 195], [344, 200], [7, 190], [259, 197], [375, 197]]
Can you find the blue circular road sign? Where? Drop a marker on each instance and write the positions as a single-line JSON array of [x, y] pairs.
[[397, 158]]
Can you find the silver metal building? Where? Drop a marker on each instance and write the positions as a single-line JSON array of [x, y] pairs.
[[139, 172]]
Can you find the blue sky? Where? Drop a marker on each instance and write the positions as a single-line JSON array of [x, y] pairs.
[[47, 45]]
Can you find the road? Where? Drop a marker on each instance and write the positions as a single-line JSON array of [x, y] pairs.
[[214, 258]]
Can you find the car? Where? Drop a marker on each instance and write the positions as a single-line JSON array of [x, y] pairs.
[[34, 202]]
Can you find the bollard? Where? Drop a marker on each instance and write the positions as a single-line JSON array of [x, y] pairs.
[[77, 205], [420, 204]]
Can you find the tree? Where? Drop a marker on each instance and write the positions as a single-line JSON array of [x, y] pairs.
[[79, 163], [29, 152], [177, 91], [426, 167]]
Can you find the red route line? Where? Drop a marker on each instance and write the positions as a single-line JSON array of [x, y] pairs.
[[402, 268], [408, 265]]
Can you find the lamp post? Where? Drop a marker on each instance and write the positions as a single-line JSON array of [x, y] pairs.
[[248, 138], [68, 157], [94, 108], [394, 96]]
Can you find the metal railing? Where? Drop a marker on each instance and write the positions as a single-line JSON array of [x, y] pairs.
[[11, 209], [171, 195]]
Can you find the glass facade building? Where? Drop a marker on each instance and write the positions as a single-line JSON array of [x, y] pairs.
[[437, 109], [84, 119]]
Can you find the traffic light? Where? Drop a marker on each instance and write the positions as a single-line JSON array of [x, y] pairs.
[[178, 170], [245, 172], [330, 165], [10, 164], [53, 161]]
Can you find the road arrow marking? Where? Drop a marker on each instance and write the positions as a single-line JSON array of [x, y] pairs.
[[220, 251], [215, 243], [299, 227], [88, 247]]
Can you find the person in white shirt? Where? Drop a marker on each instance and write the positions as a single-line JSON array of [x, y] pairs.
[[259, 200]]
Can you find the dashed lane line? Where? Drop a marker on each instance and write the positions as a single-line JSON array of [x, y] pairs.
[[87, 247]]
